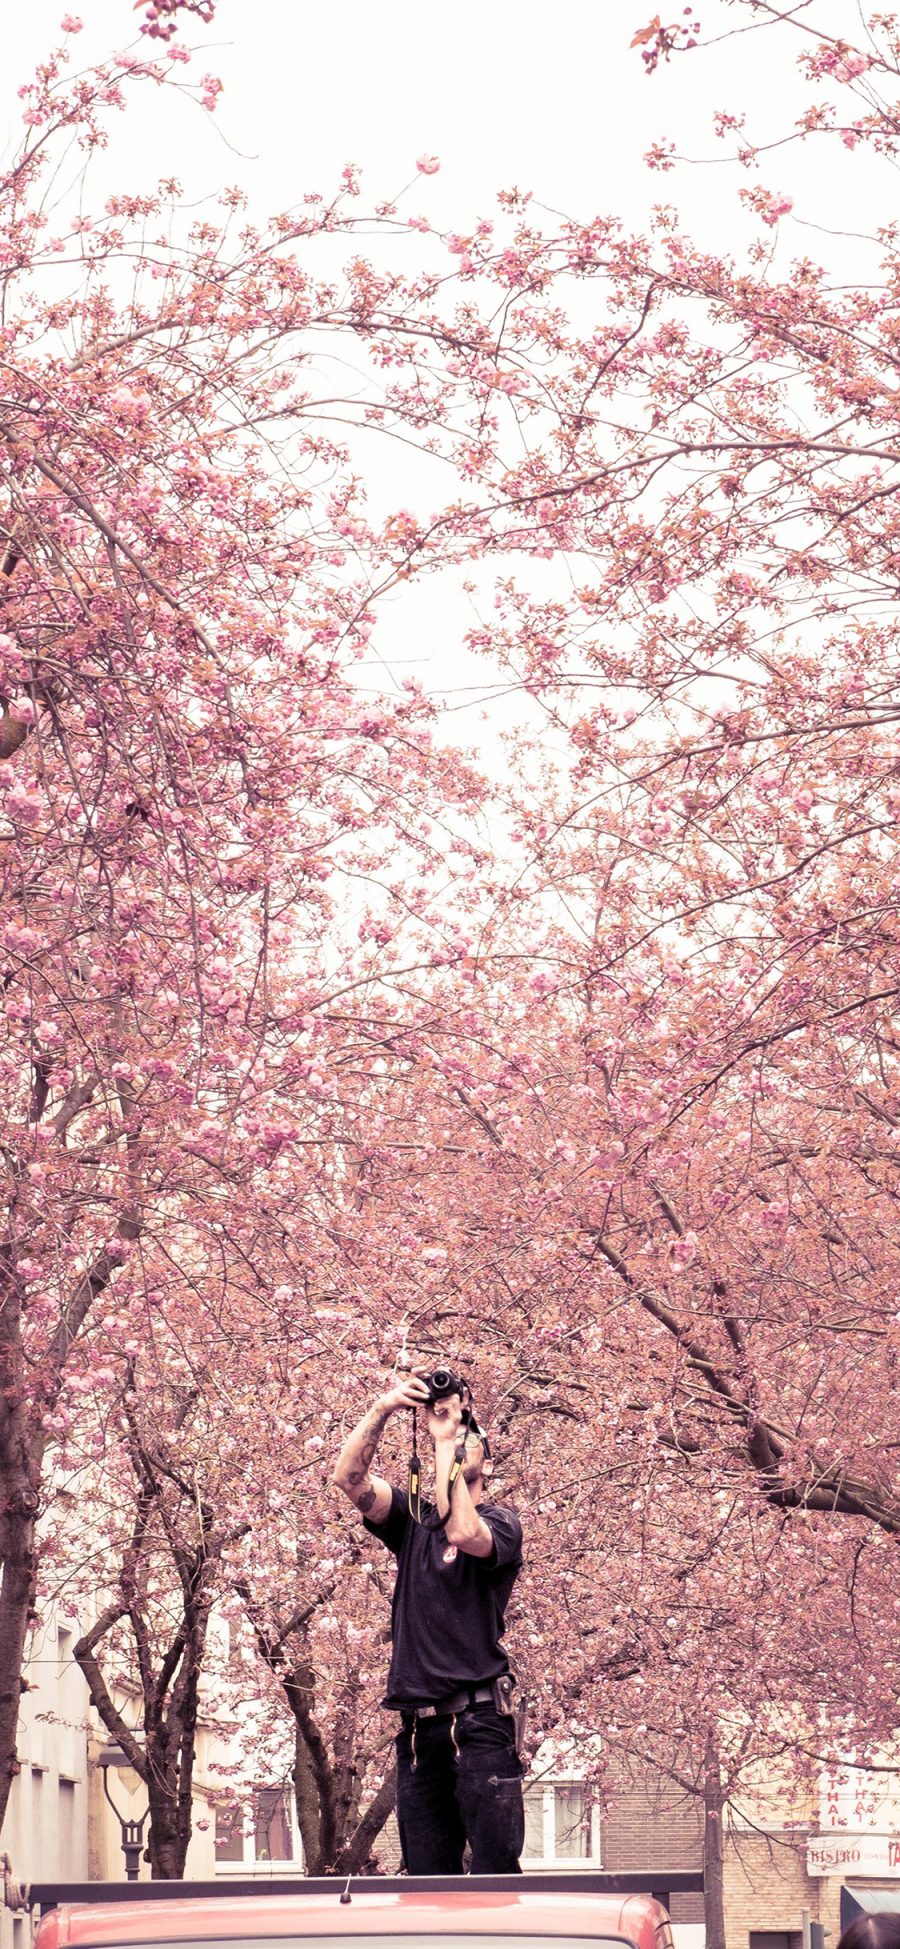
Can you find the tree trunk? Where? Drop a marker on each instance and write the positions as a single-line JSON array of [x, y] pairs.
[[166, 1846], [22, 1448], [17, 1592], [334, 1840], [713, 1848], [314, 1792], [19, 1477], [353, 1856], [165, 1762]]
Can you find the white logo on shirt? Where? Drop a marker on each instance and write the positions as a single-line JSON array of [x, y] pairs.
[[450, 1553]]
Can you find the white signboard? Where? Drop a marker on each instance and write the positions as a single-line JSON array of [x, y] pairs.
[[853, 1854], [859, 1801]]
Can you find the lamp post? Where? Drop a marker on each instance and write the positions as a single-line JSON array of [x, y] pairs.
[[132, 1831]]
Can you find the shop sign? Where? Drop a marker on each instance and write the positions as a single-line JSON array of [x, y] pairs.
[[858, 1801], [853, 1854]]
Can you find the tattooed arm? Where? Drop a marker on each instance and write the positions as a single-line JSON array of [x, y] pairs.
[[371, 1493]]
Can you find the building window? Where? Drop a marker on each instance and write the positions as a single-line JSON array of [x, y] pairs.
[[534, 1823], [229, 1833], [68, 1838], [272, 1824], [572, 1823], [262, 1832], [561, 1824]]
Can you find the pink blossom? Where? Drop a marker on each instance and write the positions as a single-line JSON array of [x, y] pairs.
[[852, 64], [428, 165], [24, 804], [683, 1252], [778, 207], [70, 24], [128, 404], [768, 204]]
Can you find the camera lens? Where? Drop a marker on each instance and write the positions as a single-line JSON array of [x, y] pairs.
[[440, 1380]]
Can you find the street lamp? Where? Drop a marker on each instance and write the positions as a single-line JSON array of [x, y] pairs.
[[132, 1831]]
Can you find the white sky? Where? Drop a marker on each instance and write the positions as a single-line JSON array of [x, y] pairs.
[[550, 97]]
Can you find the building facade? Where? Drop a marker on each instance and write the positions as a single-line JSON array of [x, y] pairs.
[[45, 1833]]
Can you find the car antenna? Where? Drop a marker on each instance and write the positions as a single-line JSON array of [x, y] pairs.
[[346, 1896]]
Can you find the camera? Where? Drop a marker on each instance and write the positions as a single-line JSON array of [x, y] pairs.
[[441, 1383]]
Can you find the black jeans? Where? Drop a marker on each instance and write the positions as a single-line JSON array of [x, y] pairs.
[[459, 1780]]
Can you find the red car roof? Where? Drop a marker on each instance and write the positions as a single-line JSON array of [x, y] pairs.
[[369, 1913]]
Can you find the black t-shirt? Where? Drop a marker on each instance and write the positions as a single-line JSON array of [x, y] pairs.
[[448, 1608]]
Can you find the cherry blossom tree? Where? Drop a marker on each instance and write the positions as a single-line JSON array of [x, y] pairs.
[[188, 577], [166, 1583], [723, 1610], [319, 1653], [611, 1118]]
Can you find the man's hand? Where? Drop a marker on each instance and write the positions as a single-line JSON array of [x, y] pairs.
[[353, 1468], [410, 1392], [444, 1419]]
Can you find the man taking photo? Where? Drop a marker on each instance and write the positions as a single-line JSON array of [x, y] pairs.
[[458, 1772]]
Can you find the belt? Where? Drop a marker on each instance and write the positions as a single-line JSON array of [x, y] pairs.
[[457, 1702]]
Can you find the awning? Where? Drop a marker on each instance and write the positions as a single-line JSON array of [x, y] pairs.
[[855, 1900]]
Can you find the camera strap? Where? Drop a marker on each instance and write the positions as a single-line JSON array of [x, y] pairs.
[[415, 1474], [459, 1455]]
